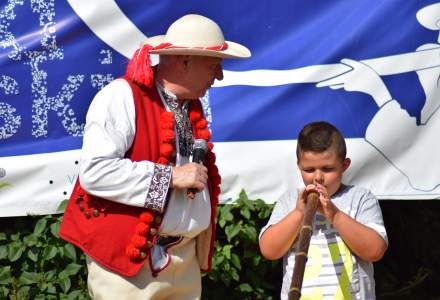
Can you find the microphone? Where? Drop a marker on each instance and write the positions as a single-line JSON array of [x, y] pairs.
[[200, 148]]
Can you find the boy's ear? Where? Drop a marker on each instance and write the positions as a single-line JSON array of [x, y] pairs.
[[345, 164]]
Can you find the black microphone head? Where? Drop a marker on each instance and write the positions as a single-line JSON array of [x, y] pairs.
[[200, 148]]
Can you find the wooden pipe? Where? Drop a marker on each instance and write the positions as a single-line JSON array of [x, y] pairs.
[[303, 246]]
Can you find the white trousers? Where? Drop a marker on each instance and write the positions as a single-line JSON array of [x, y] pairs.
[[181, 280]]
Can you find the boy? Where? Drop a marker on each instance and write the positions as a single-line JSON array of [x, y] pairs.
[[348, 230]]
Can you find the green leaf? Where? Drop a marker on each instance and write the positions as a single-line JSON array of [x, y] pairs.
[[33, 254], [23, 292], [49, 252], [15, 251], [5, 275], [51, 289], [222, 223], [29, 278], [235, 259], [48, 276], [65, 284], [232, 230], [70, 252], [251, 233], [227, 251], [245, 287], [40, 226], [62, 206], [234, 274], [225, 213], [3, 251], [2, 236], [55, 229], [30, 240], [76, 294], [218, 259], [243, 196], [257, 260], [15, 237], [245, 213], [4, 292], [72, 269]]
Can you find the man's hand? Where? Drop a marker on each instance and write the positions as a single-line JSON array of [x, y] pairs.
[[190, 175]]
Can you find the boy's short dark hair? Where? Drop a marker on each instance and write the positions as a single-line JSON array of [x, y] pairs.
[[319, 137]]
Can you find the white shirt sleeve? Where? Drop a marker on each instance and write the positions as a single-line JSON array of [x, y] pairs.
[[283, 206], [108, 135]]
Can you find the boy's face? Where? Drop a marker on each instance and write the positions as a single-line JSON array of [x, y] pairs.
[[324, 168]]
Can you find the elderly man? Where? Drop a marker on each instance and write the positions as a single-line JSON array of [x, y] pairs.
[[145, 235]]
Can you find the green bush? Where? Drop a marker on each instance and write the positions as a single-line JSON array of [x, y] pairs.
[[239, 271], [36, 264]]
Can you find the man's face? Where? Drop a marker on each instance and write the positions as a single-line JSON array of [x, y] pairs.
[[201, 73], [324, 168]]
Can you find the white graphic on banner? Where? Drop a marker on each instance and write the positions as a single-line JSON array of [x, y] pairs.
[[390, 128], [43, 103], [34, 184], [7, 112]]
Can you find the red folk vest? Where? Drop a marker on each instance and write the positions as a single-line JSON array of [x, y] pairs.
[[103, 228]]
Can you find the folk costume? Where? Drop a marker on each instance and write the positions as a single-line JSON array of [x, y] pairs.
[[142, 238]]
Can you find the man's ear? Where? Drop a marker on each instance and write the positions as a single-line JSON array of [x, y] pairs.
[[346, 163]]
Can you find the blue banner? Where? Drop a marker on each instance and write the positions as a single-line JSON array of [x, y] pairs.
[[370, 67]]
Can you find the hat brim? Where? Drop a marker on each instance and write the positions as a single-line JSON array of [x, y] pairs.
[[234, 50]]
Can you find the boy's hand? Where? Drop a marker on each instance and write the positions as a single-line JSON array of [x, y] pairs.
[[302, 197], [326, 206]]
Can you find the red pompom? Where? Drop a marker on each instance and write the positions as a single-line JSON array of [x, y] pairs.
[[142, 229], [210, 158], [139, 68], [166, 150], [167, 116], [212, 171], [139, 241], [195, 116], [146, 217], [163, 161], [215, 180], [167, 125], [201, 124], [203, 134], [210, 146], [168, 135], [133, 252], [215, 191]]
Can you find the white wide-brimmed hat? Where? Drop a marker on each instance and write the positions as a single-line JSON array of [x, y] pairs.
[[429, 16], [196, 35]]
